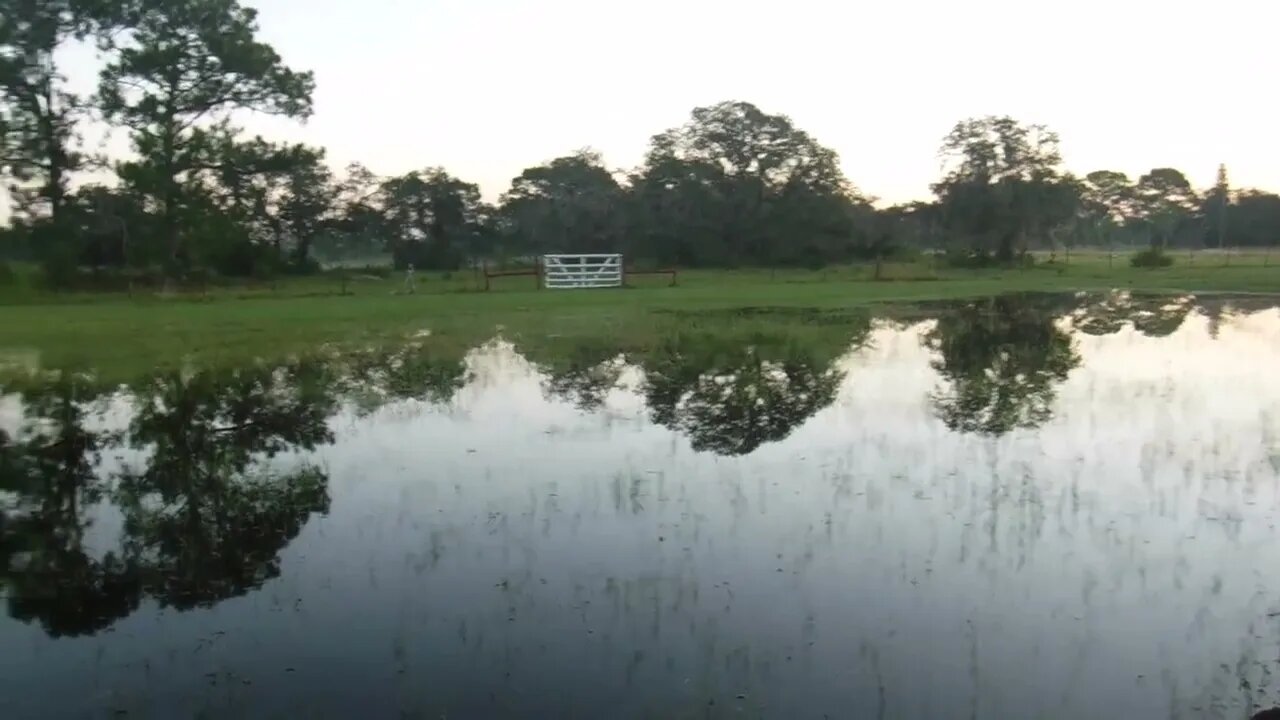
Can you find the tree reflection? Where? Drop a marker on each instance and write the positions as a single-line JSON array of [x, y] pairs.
[[584, 375], [1151, 315], [414, 372], [48, 478], [1001, 359], [206, 510], [204, 517], [731, 395], [207, 503]]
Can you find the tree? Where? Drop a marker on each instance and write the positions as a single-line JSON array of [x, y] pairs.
[[1110, 194], [357, 229], [750, 184], [1255, 218], [306, 205], [38, 116], [914, 224], [1165, 202], [675, 213], [283, 194], [1216, 209], [181, 69], [1062, 204], [1107, 204], [108, 227], [571, 204], [432, 218], [1002, 186]]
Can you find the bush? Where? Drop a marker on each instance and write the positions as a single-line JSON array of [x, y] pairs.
[[7, 275], [1151, 258]]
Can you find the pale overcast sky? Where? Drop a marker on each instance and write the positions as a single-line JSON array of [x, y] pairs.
[[489, 87]]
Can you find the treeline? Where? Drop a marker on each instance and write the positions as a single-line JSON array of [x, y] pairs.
[[732, 186]]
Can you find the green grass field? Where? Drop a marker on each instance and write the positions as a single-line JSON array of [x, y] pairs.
[[121, 336]]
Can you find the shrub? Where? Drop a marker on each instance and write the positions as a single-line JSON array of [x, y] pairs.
[[1151, 258]]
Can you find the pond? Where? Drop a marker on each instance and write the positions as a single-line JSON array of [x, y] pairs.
[[1025, 506]]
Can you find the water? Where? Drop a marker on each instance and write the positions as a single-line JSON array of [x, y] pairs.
[[1022, 507]]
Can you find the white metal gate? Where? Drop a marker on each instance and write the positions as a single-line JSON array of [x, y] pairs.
[[581, 271]]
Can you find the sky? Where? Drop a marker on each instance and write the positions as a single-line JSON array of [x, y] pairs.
[[487, 88]]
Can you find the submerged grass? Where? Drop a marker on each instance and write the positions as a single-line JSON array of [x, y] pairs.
[[121, 337]]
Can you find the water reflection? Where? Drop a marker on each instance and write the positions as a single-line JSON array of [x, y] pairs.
[[557, 533], [377, 376], [731, 384], [1000, 360], [50, 476], [203, 510], [732, 396], [585, 373], [1151, 315], [203, 516]]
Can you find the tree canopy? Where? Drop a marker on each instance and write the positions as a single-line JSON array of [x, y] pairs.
[[734, 185], [737, 185]]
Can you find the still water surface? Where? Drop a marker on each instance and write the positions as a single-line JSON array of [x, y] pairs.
[[1022, 507]]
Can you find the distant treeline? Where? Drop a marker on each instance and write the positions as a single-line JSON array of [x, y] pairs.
[[733, 186]]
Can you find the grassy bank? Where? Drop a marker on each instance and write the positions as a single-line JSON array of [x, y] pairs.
[[122, 336]]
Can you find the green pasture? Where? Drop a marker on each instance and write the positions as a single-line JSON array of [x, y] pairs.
[[120, 335]]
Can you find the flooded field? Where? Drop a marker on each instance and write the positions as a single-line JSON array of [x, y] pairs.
[[1017, 507]]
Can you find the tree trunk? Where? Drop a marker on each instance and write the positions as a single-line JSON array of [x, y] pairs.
[[169, 201], [302, 251], [169, 145], [54, 189], [1222, 224], [1004, 252]]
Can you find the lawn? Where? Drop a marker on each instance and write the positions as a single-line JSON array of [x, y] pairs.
[[121, 336]]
